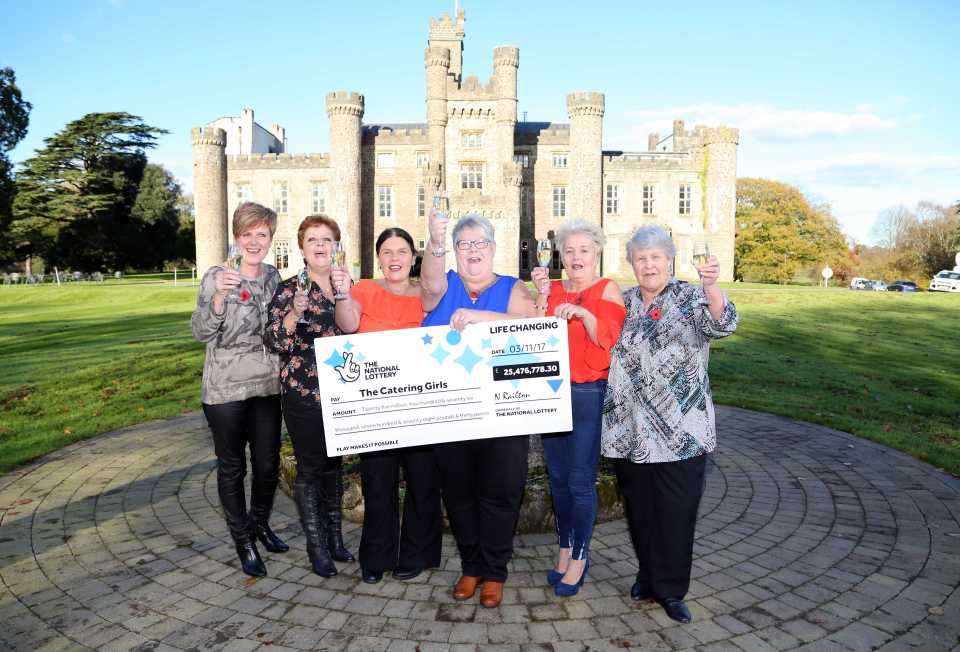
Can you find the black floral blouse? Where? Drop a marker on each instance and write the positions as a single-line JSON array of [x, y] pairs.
[[298, 362]]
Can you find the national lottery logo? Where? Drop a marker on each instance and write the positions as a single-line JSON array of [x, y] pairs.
[[351, 365]]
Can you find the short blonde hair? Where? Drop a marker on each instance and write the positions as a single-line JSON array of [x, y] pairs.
[[250, 214], [578, 225]]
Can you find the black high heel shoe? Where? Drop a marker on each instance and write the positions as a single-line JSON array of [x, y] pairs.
[[268, 538], [250, 559]]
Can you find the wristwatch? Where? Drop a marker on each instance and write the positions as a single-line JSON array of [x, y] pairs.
[[438, 251]]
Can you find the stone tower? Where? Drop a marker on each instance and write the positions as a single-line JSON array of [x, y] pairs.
[[448, 34], [720, 171], [437, 62], [345, 111], [506, 60], [210, 195], [585, 110]]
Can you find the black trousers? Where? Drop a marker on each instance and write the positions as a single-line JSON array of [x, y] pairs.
[[483, 483], [254, 421], [661, 502], [305, 424], [384, 544]]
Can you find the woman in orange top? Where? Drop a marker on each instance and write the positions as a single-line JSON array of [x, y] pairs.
[[377, 305], [593, 308]]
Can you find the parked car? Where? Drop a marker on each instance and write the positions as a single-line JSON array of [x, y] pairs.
[[857, 283], [879, 286], [945, 281], [903, 286]]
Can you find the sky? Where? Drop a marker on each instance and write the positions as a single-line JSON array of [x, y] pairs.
[[855, 103]]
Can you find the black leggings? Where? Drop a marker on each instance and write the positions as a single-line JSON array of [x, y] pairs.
[[304, 420], [255, 421]]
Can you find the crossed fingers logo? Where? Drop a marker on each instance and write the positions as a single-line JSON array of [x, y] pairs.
[[349, 371]]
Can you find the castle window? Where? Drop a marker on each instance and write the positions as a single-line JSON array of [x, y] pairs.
[[684, 208], [471, 175], [471, 138], [647, 206], [243, 193], [280, 197], [522, 158], [613, 199], [385, 201], [385, 160], [281, 254], [421, 201], [559, 201], [318, 194], [423, 159], [560, 160]]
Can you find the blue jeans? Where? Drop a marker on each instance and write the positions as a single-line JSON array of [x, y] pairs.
[[572, 459]]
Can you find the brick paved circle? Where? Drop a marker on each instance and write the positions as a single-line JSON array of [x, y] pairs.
[[808, 538]]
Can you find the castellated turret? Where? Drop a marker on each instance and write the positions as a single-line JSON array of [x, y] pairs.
[[210, 195], [345, 112], [585, 111], [720, 168], [506, 60], [436, 60], [448, 34]]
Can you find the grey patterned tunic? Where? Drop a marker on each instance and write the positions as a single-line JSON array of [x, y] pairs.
[[237, 365], [658, 406]]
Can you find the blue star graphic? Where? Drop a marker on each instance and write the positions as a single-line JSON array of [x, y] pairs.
[[487, 343], [348, 346], [553, 341], [427, 338], [440, 354], [335, 359], [360, 357], [468, 359]]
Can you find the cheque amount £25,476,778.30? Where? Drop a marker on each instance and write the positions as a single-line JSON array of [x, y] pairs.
[[526, 370]]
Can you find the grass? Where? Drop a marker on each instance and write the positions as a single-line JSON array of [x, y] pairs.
[[84, 359]]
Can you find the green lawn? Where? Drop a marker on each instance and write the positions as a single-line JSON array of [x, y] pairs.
[[84, 359]]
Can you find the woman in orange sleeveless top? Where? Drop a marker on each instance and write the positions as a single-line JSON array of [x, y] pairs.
[[390, 303], [593, 308]]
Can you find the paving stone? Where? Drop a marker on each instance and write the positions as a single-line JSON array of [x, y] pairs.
[[794, 549]]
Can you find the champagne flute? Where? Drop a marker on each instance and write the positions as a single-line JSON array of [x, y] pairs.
[[234, 259], [700, 253], [303, 286], [441, 202], [544, 252], [339, 260]]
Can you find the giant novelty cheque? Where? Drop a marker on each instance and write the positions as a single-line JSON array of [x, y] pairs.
[[430, 385]]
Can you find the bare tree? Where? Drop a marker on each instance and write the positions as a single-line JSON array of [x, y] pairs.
[[891, 226]]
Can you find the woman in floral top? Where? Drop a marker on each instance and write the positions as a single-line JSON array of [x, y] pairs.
[[658, 418], [296, 319]]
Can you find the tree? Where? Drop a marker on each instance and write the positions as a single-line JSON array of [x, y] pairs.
[[931, 242], [891, 226], [14, 119], [75, 197], [155, 219], [779, 233]]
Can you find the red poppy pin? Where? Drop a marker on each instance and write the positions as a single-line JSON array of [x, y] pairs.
[[244, 295], [655, 314]]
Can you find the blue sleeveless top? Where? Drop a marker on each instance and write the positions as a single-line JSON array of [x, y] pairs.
[[495, 298]]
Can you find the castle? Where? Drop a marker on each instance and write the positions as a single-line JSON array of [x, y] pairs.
[[528, 178]]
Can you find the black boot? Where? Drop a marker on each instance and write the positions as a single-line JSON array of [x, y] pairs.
[[308, 502], [333, 488], [250, 559], [268, 538]]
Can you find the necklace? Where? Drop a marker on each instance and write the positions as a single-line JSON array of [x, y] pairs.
[[475, 294]]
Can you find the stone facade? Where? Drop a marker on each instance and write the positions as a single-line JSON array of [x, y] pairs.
[[527, 177]]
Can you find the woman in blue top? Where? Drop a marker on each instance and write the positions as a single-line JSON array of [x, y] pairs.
[[482, 479]]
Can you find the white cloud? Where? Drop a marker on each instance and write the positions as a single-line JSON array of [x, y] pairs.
[[870, 169], [762, 120]]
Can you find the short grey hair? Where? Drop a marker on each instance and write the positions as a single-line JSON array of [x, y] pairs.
[[652, 236], [580, 226], [473, 220]]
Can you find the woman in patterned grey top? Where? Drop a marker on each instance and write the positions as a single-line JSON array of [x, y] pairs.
[[240, 391], [658, 418]]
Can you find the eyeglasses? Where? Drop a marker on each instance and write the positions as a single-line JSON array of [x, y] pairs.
[[463, 245]]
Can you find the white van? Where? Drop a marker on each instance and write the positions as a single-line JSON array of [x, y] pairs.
[[857, 283]]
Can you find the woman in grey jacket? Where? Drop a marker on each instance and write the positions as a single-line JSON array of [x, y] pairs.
[[240, 392]]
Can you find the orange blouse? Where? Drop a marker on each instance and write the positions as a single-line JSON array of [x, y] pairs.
[[384, 310], [588, 361]]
